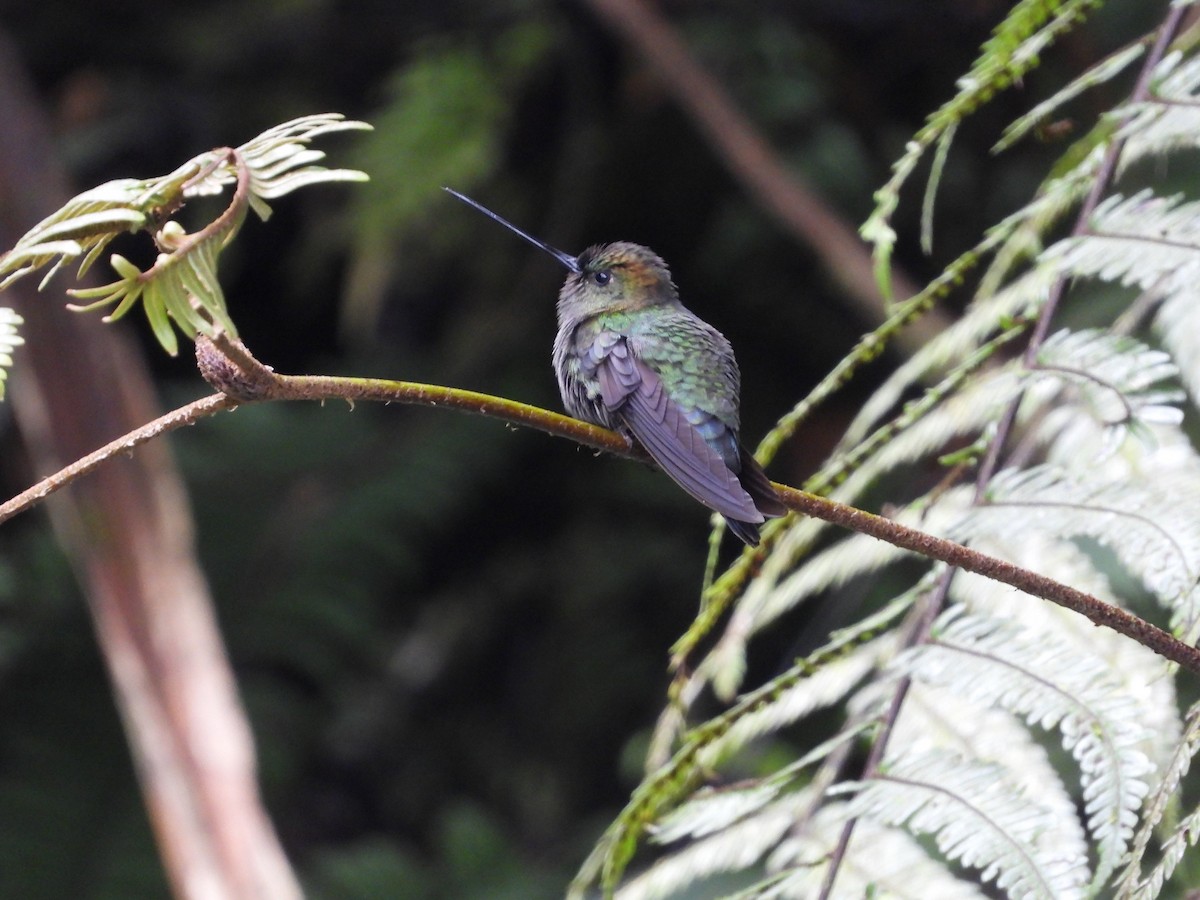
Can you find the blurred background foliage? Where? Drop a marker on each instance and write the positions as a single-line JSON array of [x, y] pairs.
[[452, 636]]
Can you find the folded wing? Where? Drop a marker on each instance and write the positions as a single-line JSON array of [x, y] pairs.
[[634, 391]]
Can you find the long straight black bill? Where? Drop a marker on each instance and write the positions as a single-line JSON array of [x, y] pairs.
[[565, 258]]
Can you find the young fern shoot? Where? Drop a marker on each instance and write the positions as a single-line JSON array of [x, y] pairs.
[[181, 290]]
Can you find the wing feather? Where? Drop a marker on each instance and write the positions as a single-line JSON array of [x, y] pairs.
[[635, 393]]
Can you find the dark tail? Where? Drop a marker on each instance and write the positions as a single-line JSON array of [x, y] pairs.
[[758, 486], [746, 532]]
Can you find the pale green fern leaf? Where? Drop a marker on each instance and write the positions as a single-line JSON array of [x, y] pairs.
[[823, 689], [1142, 240], [1182, 838], [967, 412], [84, 225], [1123, 383], [1099, 74], [733, 848], [181, 290], [953, 345]]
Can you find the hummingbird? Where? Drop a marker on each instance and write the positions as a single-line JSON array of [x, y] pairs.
[[629, 356]]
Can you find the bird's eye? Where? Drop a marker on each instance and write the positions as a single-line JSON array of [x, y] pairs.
[[602, 278]]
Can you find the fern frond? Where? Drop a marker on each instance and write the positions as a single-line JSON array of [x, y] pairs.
[[1020, 237], [1138, 672], [181, 290], [841, 465], [1143, 240], [967, 412], [822, 690], [1149, 526], [281, 161], [1164, 795], [1101, 73], [881, 862], [729, 848], [833, 567], [999, 663], [939, 719], [1013, 50], [9, 340], [1178, 326], [734, 828], [1122, 381], [974, 814], [85, 225], [765, 599], [1167, 121], [1184, 836], [984, 318]]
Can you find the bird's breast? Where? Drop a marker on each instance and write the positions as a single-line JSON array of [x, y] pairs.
[[577, 354]]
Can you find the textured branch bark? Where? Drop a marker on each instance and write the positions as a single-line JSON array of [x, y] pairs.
[[128, 533]]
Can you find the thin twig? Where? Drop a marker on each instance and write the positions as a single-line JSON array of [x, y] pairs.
[[185, 415]]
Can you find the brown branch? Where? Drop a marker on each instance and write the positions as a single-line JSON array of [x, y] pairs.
[[1093, 608], [754, 163], [230, 368], [185, 415]]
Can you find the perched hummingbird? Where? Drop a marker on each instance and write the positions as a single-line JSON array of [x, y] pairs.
[[631, 357]]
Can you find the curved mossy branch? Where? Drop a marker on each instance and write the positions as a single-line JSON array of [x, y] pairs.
[[239, 378]]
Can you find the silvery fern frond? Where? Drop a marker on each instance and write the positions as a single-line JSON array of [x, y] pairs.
[[1183, 837], [1143, 240], [997, 662], [949, 348], [822, 690], [975, 815], [1126, 384], [181, 290], [1178, 326], [741, 843], [940, 719], [1163, 797], [1168, 120], [1099, 74], [1138, 672], [9, 340], [884, 862], [1150, 526]]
